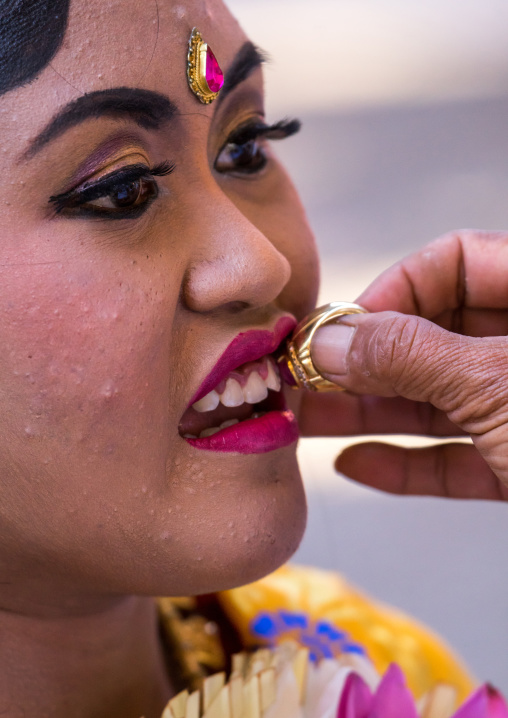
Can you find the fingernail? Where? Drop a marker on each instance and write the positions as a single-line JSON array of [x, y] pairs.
[[330, 348]]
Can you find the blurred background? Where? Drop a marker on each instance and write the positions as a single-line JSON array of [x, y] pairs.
[[405, 136]]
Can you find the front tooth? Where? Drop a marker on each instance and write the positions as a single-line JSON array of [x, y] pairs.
[[272, 381], [230, 422], [207, 403], [255, 389], [209, 432], [232, 394]]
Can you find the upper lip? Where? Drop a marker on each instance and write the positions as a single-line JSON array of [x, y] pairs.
[[246, 346]]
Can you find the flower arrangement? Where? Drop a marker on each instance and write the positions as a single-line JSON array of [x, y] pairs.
[[284, 683]]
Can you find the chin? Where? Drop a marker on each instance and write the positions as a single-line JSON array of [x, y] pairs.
[[266, 540], [270, 557], [235, 529]]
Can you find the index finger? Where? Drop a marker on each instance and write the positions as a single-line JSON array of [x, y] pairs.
[[461, 269]]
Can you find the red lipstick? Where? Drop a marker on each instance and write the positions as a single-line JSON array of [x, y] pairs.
[[276, 427], [247, 346], [253, 436]]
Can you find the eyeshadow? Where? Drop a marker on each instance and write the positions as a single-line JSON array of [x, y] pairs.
[[104, 153]]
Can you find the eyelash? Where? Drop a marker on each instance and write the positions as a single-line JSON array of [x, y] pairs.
[[248, 154], [73, 203], [254, 130]]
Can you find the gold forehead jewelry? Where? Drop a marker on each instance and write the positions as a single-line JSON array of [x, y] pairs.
[[297, 357], [203, 71]]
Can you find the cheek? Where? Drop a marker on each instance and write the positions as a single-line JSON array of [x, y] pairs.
[[83, 359]]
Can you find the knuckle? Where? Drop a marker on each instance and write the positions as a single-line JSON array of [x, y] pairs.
[[480, 404], [465, 377], [395, 349]]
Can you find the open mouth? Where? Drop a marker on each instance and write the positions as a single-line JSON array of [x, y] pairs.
[[248, 392], [240, 406]]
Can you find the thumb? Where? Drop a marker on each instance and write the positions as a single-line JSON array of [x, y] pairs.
[[392, 354]]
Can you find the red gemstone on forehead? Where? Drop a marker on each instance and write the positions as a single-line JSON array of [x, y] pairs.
[[214, 75]]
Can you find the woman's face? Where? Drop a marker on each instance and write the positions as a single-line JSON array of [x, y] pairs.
[[130, 296]]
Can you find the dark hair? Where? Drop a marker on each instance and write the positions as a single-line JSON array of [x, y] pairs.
[[31, 31]]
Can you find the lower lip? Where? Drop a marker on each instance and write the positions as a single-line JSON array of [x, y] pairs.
[[274, 430]]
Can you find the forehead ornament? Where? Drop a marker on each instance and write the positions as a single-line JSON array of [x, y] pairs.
[[203, 71]]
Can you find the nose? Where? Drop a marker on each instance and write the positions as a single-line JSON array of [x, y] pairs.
[[233, 265]]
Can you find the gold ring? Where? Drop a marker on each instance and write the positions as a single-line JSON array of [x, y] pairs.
[[298, 357]]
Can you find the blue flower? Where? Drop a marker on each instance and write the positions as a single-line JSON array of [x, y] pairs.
[[322, 638]]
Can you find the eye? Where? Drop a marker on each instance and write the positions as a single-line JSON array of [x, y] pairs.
[[127, 194], [124, 194], [245, 149], [247, 157]]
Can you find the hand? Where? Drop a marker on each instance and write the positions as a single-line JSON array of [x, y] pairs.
[[432, 360]]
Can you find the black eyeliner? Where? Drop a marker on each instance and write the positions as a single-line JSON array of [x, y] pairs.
[[77, 197]]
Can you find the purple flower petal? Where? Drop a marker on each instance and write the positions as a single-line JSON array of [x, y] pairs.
[[356, 699], [497, 704], [486, 702], [392, 698]]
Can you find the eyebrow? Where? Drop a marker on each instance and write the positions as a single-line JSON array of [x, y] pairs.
[[248, 58], [146, 108]]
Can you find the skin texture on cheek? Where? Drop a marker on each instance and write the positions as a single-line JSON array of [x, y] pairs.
[[85, 375], [71, 345]]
